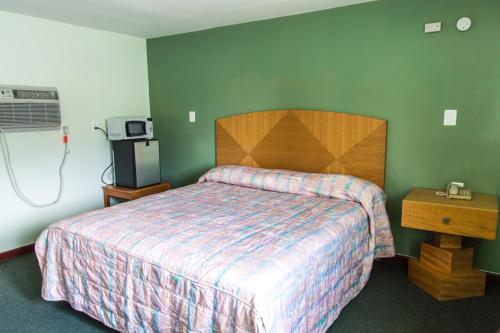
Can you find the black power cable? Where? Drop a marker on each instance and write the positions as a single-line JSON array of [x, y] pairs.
[[104, 172], [100, 129], [110, 164]]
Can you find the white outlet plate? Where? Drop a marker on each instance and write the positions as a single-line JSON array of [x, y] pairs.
[[432, 27], [94, 124], [450, 118]]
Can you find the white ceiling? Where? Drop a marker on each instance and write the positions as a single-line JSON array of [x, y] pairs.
[[155, 18]]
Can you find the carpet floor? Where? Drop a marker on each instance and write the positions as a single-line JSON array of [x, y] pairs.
[[389, 303]]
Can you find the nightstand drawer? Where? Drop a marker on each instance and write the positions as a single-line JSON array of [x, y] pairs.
[[464, 221]]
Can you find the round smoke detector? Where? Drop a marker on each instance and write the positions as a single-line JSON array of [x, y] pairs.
[[464, 23]]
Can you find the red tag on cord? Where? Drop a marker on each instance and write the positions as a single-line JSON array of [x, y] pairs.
[[65, 139]]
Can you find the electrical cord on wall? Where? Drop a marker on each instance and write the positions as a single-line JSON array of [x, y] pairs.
[[103, 173], [110, 164], [103, 131], [4, 146]]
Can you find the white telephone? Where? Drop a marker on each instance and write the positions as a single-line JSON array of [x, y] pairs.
[[456, 190]]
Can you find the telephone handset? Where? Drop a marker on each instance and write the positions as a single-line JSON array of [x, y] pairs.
[[456, 190]]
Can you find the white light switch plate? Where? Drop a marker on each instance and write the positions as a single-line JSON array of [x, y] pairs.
[[192, 116], [432, 27], [450, 118]]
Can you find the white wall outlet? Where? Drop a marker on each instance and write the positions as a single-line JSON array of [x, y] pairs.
[[432, 27], [192, 116], [93, 125], [450, 118]]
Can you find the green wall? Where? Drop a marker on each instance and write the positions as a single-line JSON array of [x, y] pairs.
[[371, 59]]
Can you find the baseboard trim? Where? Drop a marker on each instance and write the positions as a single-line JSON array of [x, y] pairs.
[[17, 252], [492, 277]]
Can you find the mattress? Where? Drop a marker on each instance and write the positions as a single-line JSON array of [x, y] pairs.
[[243, 250]]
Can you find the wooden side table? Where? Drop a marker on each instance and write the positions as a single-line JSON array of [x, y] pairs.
[[132, 193], [445, 269]]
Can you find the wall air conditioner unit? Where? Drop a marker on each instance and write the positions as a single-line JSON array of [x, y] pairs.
[[29, 109]]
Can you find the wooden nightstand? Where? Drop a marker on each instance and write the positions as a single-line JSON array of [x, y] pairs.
[[132, 193], [445, 269]]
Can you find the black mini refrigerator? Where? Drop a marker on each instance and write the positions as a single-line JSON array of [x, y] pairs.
[[137, 163]]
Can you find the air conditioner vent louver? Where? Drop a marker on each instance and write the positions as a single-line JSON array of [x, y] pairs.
[[29, 109]]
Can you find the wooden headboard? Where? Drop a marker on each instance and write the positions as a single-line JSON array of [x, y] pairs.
[[304, 140]]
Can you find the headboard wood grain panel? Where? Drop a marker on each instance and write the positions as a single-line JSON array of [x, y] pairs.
[[305, 140]]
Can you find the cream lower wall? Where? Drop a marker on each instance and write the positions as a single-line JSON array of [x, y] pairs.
[[99, 75]]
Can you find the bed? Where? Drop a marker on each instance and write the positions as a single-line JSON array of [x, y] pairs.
[[249, 248]]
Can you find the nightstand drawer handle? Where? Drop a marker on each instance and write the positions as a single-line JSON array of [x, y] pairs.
[[446, 220]]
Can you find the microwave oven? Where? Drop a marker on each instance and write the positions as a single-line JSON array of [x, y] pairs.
[[129, 128]]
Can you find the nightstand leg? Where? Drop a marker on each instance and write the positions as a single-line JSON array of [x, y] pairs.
[[447, 241], [445, 269], [107, 201]]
